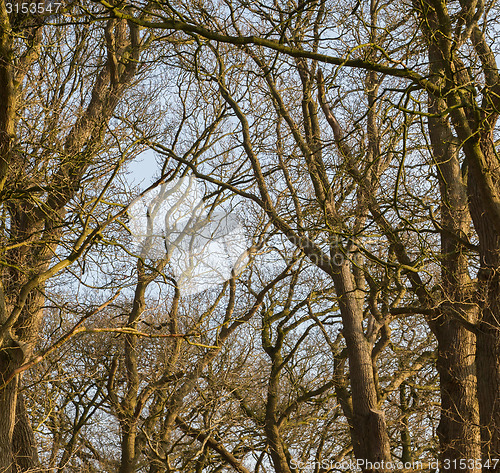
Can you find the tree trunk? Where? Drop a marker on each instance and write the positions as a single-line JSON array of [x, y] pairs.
[[371, 441], [488, 336], [8, 400], [18, 450], [23, 441], [473, 125], [273, 435], [483, 186], [369, 430], [128, 462], [458, 430]]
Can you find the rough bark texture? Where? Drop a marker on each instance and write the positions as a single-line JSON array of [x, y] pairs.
[[277, 451], [9, 351], [488, 336], [272, 430], [369, 430], [458, 429], [128, 459], [473, 125], [8, 399], [371, 442], [23, 440]]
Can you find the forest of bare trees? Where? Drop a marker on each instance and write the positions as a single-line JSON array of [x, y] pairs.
[[249, 236]]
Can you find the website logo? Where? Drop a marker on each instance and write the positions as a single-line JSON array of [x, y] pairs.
[[204, 247]]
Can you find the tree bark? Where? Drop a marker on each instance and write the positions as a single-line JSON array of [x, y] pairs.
[[23, 441], [128, 463], [8, 400], [474, 125], [488, 335], [458, 429], [271, 428], [369, 430], [371, 441]]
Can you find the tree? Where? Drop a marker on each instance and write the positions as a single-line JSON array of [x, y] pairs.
[[368, 427], [474, 123], [56, 125], [361, 138], [462, 70]]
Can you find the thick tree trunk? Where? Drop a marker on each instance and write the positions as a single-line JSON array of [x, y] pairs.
[[488, 336], [458, 429], [488, 363], [483, 165], [39, 225], [8, 394], [474, 126], [128, 462], [371, 441], [18, 450], [8, 400], [18, 440], [368, 430], [278, 456], [23, 441]]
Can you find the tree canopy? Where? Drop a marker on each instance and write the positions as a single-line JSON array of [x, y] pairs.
[[308, 279]]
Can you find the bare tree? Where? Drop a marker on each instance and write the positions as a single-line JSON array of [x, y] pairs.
[[461, 90], [54, 124], [362, 136]]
